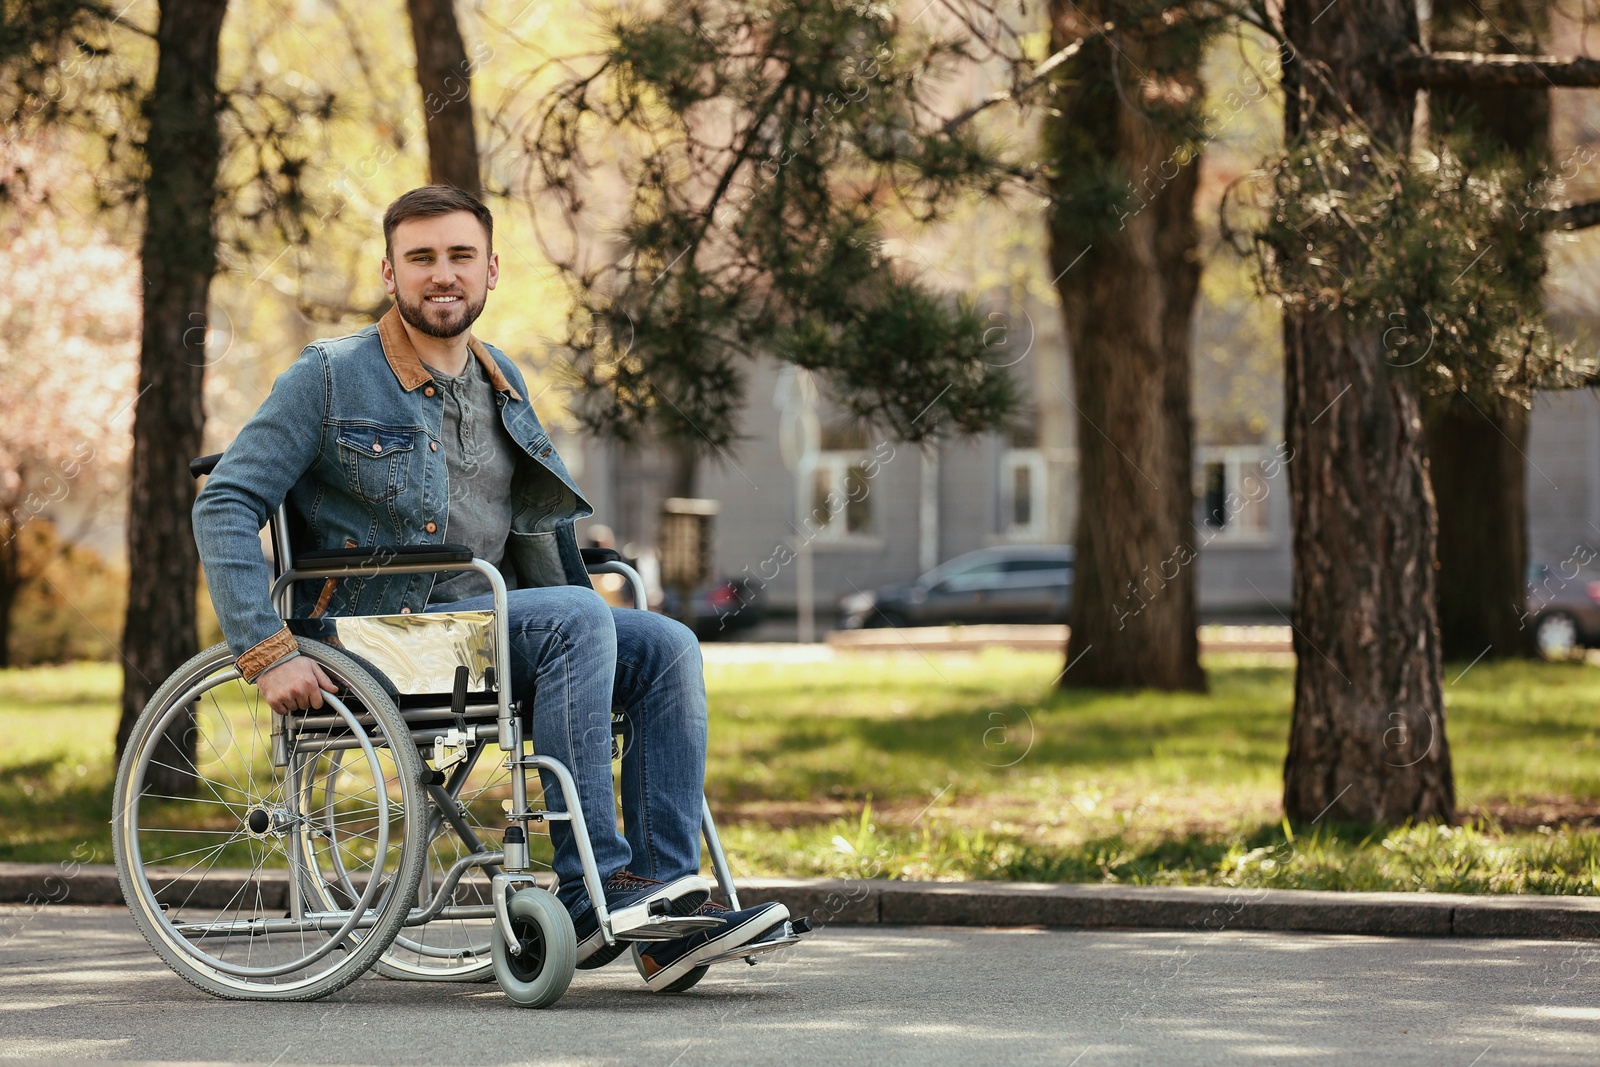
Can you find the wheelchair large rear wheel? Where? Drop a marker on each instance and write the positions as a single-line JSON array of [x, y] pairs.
[[215, 837], [464, 820]]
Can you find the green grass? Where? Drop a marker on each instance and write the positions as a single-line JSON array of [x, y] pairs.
[[56, 767], [975, 767]]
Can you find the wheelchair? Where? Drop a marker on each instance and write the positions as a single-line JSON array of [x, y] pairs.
[[281, 857]]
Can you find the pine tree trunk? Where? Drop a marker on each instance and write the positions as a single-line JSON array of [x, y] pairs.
[[1127, 278], [1477, 447], [178, 259], [445, 76], [1367, 741], [683, 469], [1477, 462]]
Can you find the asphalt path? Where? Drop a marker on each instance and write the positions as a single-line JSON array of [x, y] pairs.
[[79, 984]]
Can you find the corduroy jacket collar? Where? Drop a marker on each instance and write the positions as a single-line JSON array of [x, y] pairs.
[[408, 366]]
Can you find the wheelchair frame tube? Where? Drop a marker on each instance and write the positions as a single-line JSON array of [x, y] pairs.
[[719, 860], [502, 633], [580, 832], [640, 601]]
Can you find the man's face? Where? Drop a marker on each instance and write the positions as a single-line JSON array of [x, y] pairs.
[[440, 271]]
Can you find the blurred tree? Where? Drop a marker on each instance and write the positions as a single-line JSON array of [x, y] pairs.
[[72, 604], [761, 151], [444, 73], [1124, 141], [87, 66], [1371, 243], [62, 446], [182, 150], [1477, 446], [1367, 741]]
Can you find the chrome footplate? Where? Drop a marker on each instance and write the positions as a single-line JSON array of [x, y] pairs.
[[665, 927], [792, 932]]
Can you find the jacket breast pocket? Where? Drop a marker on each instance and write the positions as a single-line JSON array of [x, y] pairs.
[[375, 461]]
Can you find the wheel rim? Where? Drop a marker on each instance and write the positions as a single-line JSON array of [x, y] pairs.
[[528, 965], [246, 812], [444, 947]]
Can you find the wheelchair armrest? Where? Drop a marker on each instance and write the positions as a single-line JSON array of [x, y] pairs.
[[593, 556], [203, 465], [368, 558]]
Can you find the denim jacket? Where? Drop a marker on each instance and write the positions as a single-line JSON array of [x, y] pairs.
[[350, 437]]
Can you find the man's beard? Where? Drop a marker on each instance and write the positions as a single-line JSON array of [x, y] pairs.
[[454, 326]]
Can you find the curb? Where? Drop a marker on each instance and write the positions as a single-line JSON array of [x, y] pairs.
[[1204, 909]]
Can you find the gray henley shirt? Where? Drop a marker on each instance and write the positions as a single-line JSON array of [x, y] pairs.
[[480, 458]]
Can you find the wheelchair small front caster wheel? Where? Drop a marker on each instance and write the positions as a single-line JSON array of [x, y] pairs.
[[538, 975]]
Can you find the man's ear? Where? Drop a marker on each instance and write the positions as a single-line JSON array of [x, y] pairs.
[[387, 270], [494, 268]]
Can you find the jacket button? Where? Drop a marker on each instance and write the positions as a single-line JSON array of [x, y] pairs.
[[433, 446], [376, 447], [430, 527], [428, 391], [405, 611]]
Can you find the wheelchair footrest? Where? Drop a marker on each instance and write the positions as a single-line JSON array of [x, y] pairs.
[[791, 936], [625, 927]]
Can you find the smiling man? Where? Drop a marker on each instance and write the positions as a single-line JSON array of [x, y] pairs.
[[412, 431]]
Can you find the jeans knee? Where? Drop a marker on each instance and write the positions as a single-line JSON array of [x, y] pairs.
[[585, 616], [682, 645]]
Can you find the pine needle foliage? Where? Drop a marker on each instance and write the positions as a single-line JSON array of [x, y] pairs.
[[1430, 246], [729, 177], [86, 67]]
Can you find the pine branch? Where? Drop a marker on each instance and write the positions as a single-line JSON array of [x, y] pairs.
[[1434, 70], [1040, 73], [1572, 217]]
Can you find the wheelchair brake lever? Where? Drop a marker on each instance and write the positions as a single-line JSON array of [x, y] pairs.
[[458, 698]]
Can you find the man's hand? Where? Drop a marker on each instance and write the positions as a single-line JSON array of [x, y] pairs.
[[294, 686]]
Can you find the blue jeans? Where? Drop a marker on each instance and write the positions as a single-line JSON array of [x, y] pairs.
[[579, 657]]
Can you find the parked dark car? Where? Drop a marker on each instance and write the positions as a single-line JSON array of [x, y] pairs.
[[1563, 607], [1012, 583], [721, 608]]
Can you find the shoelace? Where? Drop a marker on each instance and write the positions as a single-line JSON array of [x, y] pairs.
[[627, 880]]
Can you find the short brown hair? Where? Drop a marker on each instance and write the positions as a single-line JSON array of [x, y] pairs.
[[429, 202]]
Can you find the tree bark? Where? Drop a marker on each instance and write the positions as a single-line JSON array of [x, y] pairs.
[[1477, 464], [1367, 740], [178, 258], [1127, 278], [445, 76], [1477, 446], [683, 468]]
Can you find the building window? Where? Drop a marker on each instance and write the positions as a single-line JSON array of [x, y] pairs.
[[1022, 494], [1232, 495], [841, 497]]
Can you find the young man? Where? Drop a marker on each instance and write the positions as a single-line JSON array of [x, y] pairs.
[[412, 431]]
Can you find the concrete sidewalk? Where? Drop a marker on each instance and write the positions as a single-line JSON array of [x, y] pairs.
[[80, 988], [1010, 904]]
